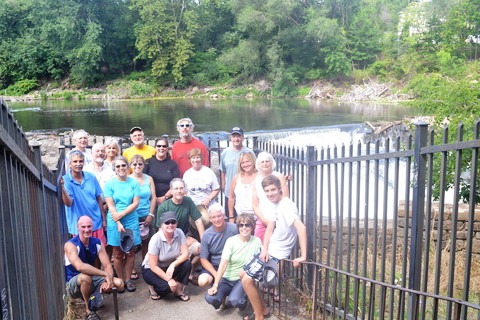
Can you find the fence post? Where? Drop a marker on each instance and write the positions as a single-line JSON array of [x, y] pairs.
[[311, 209], [418, 215]]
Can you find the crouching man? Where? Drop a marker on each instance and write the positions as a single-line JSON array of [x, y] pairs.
[[84, 280], [283, 228]]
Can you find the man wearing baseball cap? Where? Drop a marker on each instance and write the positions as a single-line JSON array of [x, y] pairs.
[[229, 163], [139, 146]]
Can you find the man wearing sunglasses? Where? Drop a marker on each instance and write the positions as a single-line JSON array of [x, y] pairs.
[[139, 145], [181, 148]]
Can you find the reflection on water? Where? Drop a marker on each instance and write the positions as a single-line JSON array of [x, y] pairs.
[[158, 117]]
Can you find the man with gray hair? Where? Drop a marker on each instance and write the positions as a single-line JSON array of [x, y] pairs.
[[102, 170], [82, 195], [182, 147], [80, 139], [213, 242]]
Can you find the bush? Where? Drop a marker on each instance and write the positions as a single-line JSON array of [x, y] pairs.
[[21, 87]]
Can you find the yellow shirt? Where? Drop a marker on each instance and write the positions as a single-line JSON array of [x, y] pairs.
[[145, 151]]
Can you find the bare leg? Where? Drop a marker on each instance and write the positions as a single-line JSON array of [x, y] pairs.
[[85, 283], [118, 262], [129, 262], [254, 297]]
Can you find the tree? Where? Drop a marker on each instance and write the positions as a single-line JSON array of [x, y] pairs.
[[164, 35]]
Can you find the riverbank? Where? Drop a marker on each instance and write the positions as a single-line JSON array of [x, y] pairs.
[[367, 90]]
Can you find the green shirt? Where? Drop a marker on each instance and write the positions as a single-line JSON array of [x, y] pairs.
[[238, 254], [184, 211]]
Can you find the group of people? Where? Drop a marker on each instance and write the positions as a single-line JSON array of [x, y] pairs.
[[166, 205]]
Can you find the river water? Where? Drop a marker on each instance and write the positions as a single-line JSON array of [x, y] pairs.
[[159, 116]]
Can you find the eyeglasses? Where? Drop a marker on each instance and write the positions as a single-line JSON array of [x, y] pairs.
[[187, 125], [137, 164], [170, 222], [120, 166], [244, 225], [162, 146]]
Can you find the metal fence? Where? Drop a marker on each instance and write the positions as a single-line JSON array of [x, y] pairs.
[[31, 241], [379, 246]]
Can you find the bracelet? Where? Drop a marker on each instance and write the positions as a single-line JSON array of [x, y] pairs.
[[231, 217], [214, 285], [151, 215]]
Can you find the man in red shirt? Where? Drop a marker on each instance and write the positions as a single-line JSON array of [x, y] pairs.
[[187, 142]]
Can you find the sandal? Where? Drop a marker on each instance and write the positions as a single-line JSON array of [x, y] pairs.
[[134, 276], [182, 297], [252, 316], [130, 286], [155, 296], [92, 316]]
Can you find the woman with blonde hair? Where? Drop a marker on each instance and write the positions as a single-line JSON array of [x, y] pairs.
[[264, 209], [241, 189]]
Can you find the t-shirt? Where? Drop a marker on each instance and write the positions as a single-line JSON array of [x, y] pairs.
[[162, 172], [238, 254], [145, 151], [213, 243], [200, 183], [86, 255], [184, 211], [285, 234], [180, 151], [87, 158], [166, 252], [229, 164], [84, 196]]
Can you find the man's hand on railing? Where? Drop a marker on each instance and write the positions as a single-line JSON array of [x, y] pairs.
[[297, 261]]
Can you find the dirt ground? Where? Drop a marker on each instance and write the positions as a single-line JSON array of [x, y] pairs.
[[138, 305]]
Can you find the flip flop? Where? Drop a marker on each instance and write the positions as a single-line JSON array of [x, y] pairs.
[[155, 296], [134, 275], [182, 297]]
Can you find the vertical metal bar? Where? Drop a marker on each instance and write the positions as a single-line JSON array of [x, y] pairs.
[[365, 232], [453, 239], [383, 259], [418, 213], [311, 209], [358, 168], [471, 219]]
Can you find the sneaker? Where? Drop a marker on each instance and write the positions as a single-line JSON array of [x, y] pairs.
[[95, 301]]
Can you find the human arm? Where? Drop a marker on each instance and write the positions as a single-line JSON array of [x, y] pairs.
[[221, 271], [232, 198], [200, 227], [107, 267], [207, 265], [210, 197], [153, 204], [302, 240], [179, 260], [67, 200], [266, 240], [102, 210], [222, 180], [283, 182]]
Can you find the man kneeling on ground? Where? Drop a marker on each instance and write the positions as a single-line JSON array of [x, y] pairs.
[[83, 279]]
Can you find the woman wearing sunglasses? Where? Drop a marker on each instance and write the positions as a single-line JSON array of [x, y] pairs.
[[162, 169], [122, 195], [146, 207], [166, 266], [238, 251]]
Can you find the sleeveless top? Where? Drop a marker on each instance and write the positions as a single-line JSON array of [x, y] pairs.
[[243, 196], [86, 254]]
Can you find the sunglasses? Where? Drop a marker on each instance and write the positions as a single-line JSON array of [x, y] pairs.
[[170, 222], [187, 125], [137, 164], [244, 225], [162, 146], [120, 166]]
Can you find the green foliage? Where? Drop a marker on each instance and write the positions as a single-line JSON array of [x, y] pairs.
[[21, 87], [131, 89]]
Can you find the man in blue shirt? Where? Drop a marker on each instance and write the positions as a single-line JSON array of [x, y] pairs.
[[82, 195]]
